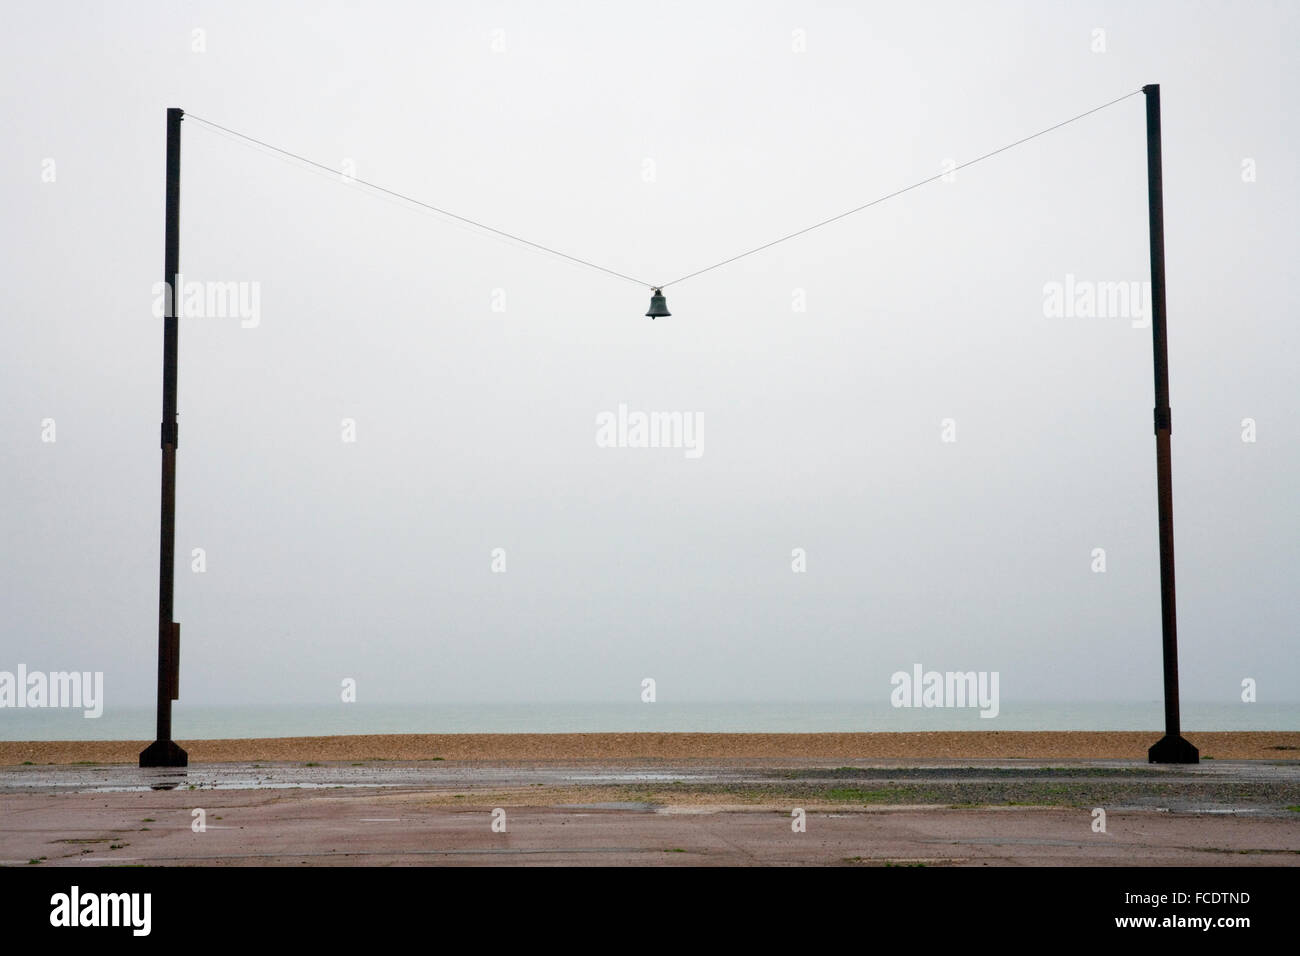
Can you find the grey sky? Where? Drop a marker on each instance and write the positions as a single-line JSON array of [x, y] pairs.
[[476, 429]]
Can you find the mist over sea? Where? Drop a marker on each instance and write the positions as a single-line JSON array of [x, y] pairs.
[[310, 720]]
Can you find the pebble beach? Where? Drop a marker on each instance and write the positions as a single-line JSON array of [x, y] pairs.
[[939, 745]]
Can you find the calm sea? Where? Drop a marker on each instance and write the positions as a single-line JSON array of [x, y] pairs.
[[200, 722]]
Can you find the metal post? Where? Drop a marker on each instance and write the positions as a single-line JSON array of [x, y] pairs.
[[163, 752], [1171, 748]]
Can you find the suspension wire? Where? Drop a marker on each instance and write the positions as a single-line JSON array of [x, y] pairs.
[[417, 202], [874, 202], [717, 265]]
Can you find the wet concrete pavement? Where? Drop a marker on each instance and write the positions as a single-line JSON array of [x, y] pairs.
[[654, 813]]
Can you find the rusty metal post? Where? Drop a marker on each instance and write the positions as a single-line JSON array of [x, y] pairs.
[[164, 752], [1171, 748]]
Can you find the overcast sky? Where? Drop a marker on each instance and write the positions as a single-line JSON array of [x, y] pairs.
[[654, 140]]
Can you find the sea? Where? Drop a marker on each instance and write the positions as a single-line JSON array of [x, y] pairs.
[[208, 722]]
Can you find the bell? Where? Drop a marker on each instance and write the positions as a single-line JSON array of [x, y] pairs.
[[658, 305]]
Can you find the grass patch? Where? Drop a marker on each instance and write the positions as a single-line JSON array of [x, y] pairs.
[[858, 795]]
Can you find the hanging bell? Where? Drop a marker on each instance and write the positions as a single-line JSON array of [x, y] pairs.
[[658, 305]]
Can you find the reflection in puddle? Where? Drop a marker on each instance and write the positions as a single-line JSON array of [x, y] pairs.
[[242, 785], [168, 780]]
